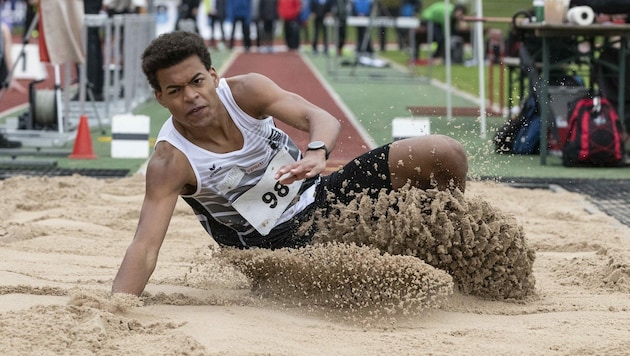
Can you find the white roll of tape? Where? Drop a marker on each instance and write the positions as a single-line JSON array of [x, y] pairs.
[[581, 15]]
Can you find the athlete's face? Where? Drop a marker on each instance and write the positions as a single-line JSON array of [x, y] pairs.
[[189, 92]]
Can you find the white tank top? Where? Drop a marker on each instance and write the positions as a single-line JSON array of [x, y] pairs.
[[213, 197]]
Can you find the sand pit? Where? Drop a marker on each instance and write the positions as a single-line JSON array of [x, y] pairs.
[[556, 282]]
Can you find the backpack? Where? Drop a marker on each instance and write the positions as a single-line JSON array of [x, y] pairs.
[[527, 140], [595, 135], [520, 134]]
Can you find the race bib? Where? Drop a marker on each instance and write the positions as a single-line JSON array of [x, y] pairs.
[[263, 204]]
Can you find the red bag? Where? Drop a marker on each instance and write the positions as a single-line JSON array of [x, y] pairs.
[[595, 135]]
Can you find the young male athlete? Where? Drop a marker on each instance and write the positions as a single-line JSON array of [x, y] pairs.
[[248, 183]]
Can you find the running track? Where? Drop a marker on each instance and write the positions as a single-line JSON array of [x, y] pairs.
[[291, 73]]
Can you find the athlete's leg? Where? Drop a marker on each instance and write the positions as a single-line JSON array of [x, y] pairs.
[[428, 161]]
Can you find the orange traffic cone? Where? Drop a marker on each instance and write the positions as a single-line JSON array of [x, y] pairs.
[[83, 143]]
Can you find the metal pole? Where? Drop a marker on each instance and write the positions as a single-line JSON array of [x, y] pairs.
[[480, 65], [447, 57]]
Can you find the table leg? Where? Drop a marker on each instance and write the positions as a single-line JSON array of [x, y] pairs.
[[622, 79], [543, 100], [510, 97]]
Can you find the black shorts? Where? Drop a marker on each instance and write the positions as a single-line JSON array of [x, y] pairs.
[[368, 172]]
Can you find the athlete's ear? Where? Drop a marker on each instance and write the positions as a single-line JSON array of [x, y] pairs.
[[158, 97], [215, 76]]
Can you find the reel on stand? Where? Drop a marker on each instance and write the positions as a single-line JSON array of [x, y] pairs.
[[42, 113]]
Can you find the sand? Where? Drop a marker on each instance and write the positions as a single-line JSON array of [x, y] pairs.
[[526, 272]]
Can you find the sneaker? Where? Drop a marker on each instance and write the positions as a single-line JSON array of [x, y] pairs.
[[4, 143]]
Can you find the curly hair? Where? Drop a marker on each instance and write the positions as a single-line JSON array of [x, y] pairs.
[[170, 49]]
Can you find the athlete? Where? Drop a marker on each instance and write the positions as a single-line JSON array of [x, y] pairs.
[[248, 183]]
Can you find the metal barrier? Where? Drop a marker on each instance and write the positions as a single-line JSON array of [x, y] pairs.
[[334, 63], [125, 87]]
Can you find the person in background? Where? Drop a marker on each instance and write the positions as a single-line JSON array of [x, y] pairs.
[[386, 8], [289, 11], [434, 15], [94, 59], [364, 40], [267, 19], [240, 11], [31, 10], [8, 82], [187, 11], [121, 7], [249, 184], [254, 19], [216, 17], [408, 8], [305, 16], [320, 9], [341, 9]]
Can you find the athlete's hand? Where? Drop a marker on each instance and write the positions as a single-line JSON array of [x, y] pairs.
[[311, 164]]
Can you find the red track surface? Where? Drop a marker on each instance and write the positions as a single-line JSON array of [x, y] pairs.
[[290, 72]]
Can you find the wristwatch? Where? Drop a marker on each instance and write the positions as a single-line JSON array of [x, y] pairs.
[[317, 145]]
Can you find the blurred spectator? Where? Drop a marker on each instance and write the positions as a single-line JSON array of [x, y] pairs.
[[305, 15], [120, 7], [94, 58], [267, 18], [435, 15], [31, 10], [6, 61], [341, 9], [386, 8], [8, 83], [319, 10], [364, 40], [216, 16], [187, 16], [254, 19], [240, 11], [289, 11], [408, 8]]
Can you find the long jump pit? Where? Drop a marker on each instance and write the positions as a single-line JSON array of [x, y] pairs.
[[497, 270]]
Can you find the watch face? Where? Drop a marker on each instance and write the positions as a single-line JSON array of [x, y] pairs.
[[316, 145]]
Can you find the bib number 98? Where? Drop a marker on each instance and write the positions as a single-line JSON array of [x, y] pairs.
[[270, 198]]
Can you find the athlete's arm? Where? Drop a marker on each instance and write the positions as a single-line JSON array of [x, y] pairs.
[[167, 174], [260, 97]]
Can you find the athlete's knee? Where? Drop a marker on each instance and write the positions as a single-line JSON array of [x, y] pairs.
[[451, 150], [450, 163], [428, 162]]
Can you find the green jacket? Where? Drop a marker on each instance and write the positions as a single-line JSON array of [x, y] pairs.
[[435, 12]]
